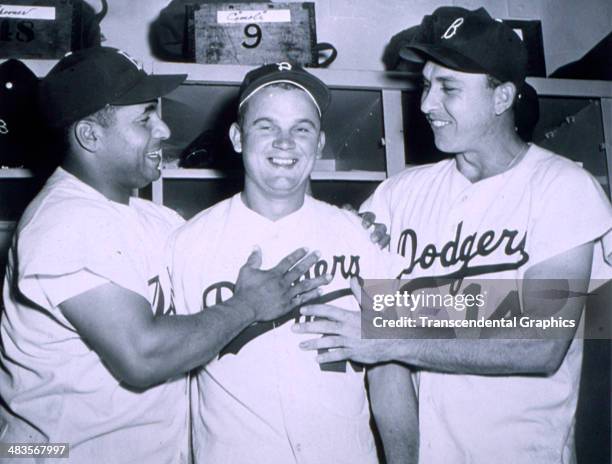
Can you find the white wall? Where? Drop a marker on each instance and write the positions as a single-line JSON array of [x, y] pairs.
[[360, 28]]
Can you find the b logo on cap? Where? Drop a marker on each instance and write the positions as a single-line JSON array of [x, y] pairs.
[[284, 66], [452, 29]]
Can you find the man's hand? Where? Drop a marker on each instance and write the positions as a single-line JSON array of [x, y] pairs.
[[379, 233], [343, 330], [273, 293]]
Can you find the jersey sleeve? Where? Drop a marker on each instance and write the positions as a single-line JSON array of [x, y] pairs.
[[58, 289], [573, 211], [55, 251]]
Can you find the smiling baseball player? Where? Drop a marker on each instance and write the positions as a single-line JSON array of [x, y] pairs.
[[263, 400], [91, 353], [499, 209]]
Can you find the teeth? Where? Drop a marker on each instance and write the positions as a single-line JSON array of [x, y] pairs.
[[283, 161], [156, 157], [436, 123], [155, 154]]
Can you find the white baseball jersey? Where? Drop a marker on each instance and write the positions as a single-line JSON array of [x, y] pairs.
[[498, 227], [72, 239], [263, 399]]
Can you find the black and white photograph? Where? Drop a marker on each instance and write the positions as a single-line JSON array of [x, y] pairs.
[[321, 232]]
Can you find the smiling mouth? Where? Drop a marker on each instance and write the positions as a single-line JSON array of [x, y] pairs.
[[437, 123], [282, 162], [155, 155]]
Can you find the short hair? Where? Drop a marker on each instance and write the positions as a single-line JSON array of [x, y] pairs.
[[280, 85], [494, 82], [106, 117]]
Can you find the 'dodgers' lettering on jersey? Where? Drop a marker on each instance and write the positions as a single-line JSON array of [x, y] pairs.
[[159, 302], [465, 250], [222, 290]]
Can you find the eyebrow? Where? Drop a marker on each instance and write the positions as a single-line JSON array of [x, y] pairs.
[[447, 80], [262, 119], [149, 108], [310, 122]]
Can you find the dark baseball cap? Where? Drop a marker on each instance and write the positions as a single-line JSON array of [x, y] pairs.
[[470, 41], [18, 114], [268, 74], [85, 81]]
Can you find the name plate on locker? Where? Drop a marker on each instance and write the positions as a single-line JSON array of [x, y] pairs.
[[36, 28], [252, 33]]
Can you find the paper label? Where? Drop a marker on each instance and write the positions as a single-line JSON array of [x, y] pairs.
[[27, 12], [253, 16]]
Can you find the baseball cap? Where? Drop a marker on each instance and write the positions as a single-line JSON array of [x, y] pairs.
[[470, 41], [269, 74], [19, 117], [391, 55], [85, 81]]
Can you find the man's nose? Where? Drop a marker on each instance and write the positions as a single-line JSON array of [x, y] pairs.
[[429, 100], [160, 129], [284, 140]]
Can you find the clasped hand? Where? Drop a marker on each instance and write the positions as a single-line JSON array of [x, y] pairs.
[[342, 328]]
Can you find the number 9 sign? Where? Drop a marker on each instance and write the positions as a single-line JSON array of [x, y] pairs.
[[252, 31]]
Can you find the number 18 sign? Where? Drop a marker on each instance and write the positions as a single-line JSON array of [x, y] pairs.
[[252, 33]]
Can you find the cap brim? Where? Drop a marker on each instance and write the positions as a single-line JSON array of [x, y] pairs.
[[149, 88], [420, 53]]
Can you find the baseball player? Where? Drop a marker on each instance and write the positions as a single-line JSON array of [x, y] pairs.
[[263, 400], [91, 355], [500, 209]]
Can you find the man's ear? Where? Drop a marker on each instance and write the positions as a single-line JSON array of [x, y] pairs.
[[504, 95], [236, 137], [320, 145], [87, 134]]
